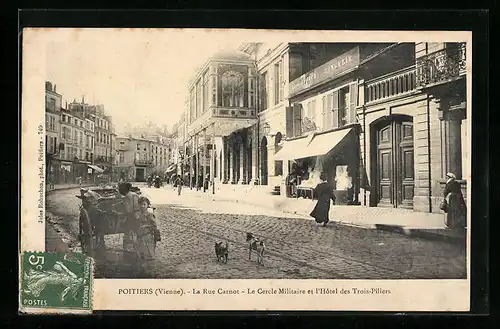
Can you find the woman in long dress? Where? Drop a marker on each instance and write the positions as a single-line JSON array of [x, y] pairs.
[[456, 210], [324, 193]]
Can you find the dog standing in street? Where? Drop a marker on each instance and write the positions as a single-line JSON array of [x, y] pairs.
[[221, 252], [256, 245]]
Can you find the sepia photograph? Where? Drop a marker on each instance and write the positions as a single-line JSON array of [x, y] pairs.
[[229, 169], [258, 160]]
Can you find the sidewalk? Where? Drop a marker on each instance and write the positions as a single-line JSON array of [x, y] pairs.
[[403, 221]]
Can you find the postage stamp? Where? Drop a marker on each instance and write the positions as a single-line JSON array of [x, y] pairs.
[[56, 281]]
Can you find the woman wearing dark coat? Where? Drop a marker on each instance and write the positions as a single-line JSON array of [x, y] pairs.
[[456, 209], [324, 193]]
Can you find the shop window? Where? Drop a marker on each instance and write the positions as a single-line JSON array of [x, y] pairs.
[[233, 89]]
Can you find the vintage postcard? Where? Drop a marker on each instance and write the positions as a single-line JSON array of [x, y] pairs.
[[227, 169]]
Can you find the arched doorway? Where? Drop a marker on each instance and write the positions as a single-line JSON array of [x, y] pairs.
[[393, 162], [263, 161]]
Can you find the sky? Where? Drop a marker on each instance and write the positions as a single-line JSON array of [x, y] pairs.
[[138, 76]]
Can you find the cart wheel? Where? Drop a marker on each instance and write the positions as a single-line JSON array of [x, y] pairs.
[[87, 241]]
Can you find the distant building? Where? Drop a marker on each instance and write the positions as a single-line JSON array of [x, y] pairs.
[[53, 102], [138, 157]]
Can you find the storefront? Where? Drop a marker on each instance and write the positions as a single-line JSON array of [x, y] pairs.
[[67, 172], [334, 153]]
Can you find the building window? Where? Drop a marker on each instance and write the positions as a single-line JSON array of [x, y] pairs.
[[281, 80], [199, 106], [122, 157], [278, 82], [81, 138], [233, 89], [312, 111], [344, 103], [214, 90], [263, 91], [206, 94], [251, 92]]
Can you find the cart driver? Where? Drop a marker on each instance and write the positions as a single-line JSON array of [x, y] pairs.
[[130, 201], [132, 212]]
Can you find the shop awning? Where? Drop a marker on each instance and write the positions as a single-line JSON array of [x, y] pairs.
[[324, 143], [320, 144], [96, 168], [292, 149]]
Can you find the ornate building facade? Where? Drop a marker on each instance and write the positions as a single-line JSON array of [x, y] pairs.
[[220, 120]]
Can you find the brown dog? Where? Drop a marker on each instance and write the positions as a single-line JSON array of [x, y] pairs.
[[258, 246]]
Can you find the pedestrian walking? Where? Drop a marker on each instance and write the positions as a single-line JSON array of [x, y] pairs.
[[453, 203], [206, 183], [179, 184], [324, 193]]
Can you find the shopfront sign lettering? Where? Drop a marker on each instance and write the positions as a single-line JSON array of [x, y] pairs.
[[332, 69]]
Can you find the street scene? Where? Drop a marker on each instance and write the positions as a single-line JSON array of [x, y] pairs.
[[296, 247], [260, 160]]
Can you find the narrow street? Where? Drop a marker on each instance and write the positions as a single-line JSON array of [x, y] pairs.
[[296, 247]]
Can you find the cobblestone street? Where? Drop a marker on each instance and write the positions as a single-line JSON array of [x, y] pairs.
[[296, 247]]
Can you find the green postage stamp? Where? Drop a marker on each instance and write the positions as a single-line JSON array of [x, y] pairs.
[[56, 281]]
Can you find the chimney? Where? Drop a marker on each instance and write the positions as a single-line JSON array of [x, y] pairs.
[[66, 104], [55, 88], [83, 99]]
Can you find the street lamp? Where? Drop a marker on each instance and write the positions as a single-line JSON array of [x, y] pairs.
[[266, 128]]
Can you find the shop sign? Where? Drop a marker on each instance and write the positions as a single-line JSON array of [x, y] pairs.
[[332, 69]]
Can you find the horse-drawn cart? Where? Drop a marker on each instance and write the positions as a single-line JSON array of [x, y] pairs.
[[102, 213]]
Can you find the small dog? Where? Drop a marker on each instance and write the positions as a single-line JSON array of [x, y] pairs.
[[255, 244], [221, 252]]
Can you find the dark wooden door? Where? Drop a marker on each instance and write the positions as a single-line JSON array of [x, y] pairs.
[[405, 169], [385, 166], [395, 164]]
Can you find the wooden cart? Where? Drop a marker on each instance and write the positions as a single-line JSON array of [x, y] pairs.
[[99, 216]]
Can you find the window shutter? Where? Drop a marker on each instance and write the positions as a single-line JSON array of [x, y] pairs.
[[351, 116], [335, 109], [289, 121], [297, 116], [323, 114]]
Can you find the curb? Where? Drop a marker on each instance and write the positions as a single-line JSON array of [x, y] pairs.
[[441, 235]]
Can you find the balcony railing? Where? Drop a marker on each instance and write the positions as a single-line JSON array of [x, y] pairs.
[[441, 66], [233, 112], [103, 159], [143, 162], [391, 85]]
